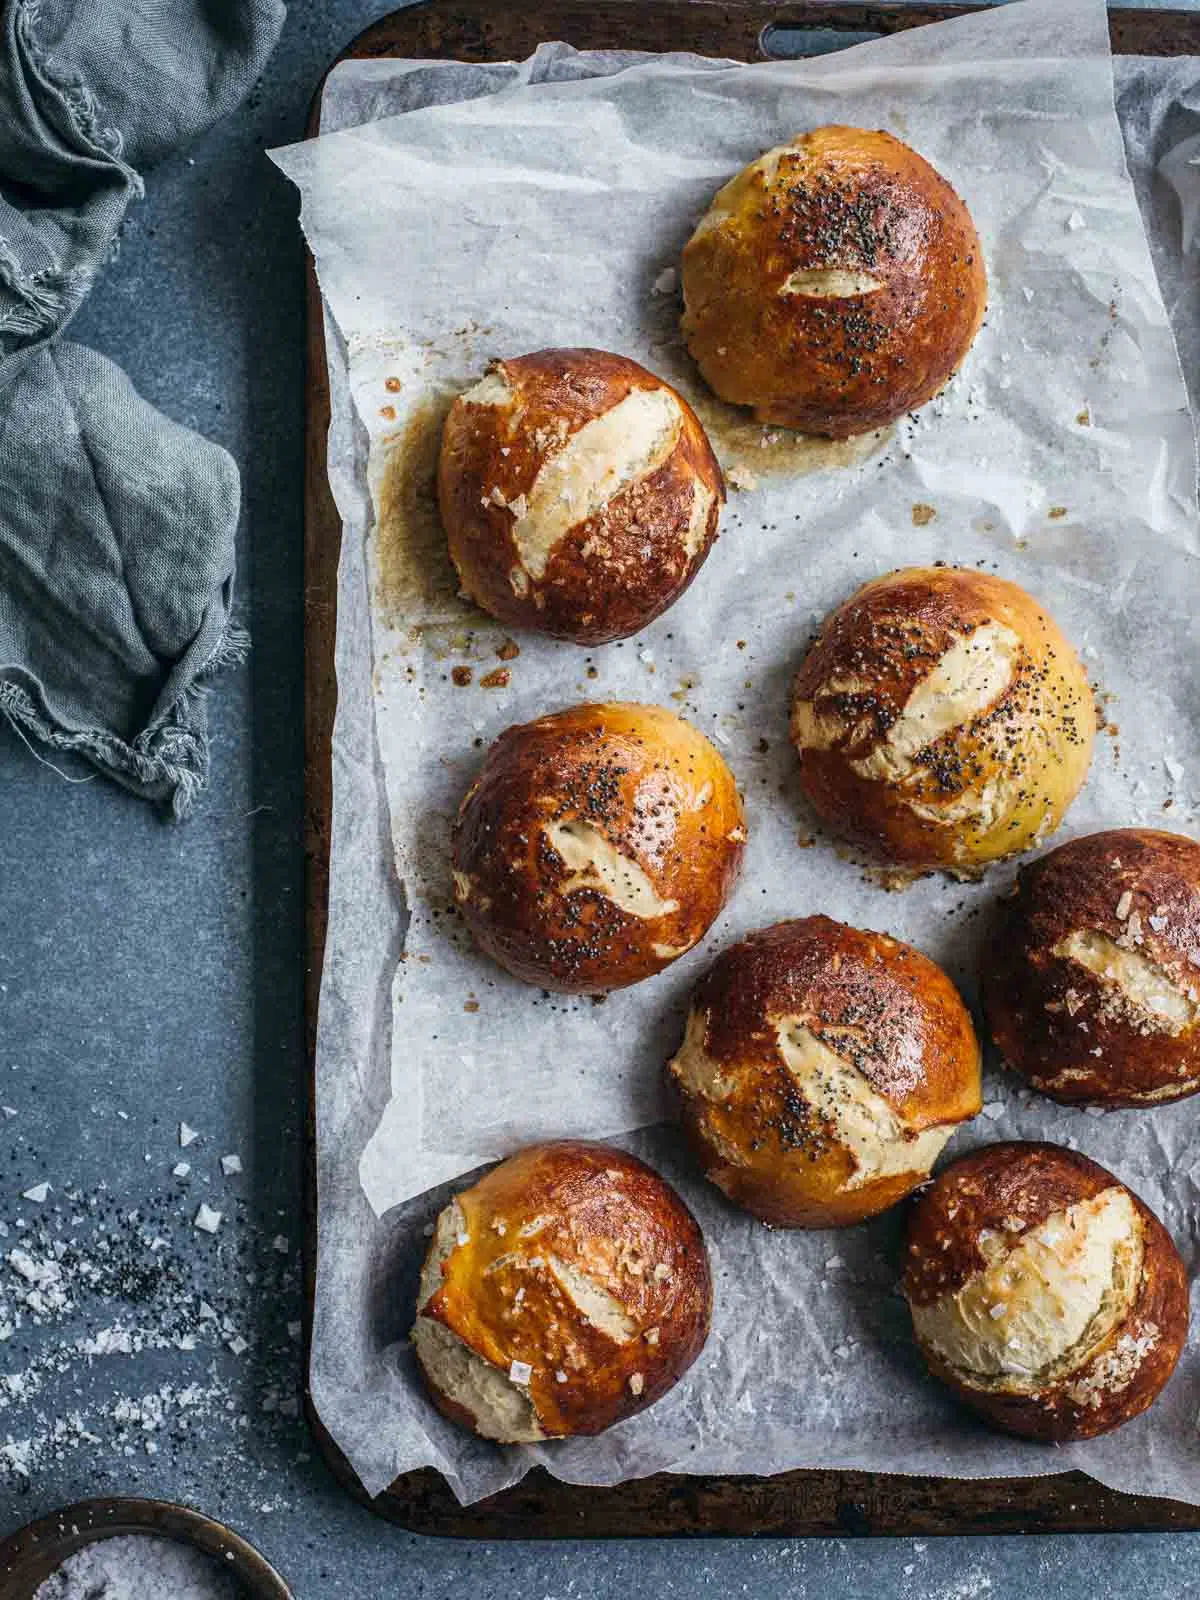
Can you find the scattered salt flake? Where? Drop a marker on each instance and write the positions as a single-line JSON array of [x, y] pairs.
[[636, 1383], [520, 1372], [238, 1345], [37, 1194], [646, 657], [230, 1165], [560, 1376], [1174, 768], [720, 736], [833, 1263], [293, 1329], [206, 1219], [1158, 923], [9, 1111], [742, 478], [427, 1230], [652, 1336], [662, 1272], [997, 1311], [1027, 291], [1095, 1111], [187, 1136], [1124, 905], [181, 1169], [280, 1243], [666, 281], [993, 1109], [207, 1312], [1075, 222]]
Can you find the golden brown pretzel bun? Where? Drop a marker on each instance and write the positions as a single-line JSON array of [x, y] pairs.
[[822, 1072], [1044, 1292], [834, 284], [579, 494], [942, 720], [1093, 991], [596, 845], [566, 1290]]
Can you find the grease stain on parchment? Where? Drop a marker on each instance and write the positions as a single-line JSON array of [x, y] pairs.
[[416, 586], [764, 451]]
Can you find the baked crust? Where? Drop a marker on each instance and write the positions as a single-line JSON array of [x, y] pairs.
[[1093, 988], [834, 284], [774, 1135], [865, 720], [565, 1219], [1004, 1192], [596, 846], [640, 539]]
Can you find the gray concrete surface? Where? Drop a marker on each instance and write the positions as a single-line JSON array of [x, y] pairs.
[[151, 975]]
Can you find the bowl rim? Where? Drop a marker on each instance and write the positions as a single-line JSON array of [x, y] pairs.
[[61, 1533]]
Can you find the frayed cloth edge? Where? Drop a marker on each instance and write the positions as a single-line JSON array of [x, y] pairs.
[[167, 761]]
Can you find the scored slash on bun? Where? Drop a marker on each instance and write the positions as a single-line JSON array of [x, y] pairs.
[[1093, 992], [1044, 1292], [822, 1071], [579, 494], [596, 846], [942, 720], [567, 1289], [834, 284]]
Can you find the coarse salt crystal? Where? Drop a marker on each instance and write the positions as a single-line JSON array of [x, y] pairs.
[[666, 280], [280, 1243], [206, 1219], [652, 1335], [560, 1376], [187, 1135], [1075, 222], [1174, 768], [636, 1383], [997, 1311], [646, 657], [1123, 905], [238, 1345], [230, 1165], [520, 1372], [181, 1169], [993, 1109], [662, 1272], [462, 1238], [37, 1194], [9, 1111], [1158, 923]]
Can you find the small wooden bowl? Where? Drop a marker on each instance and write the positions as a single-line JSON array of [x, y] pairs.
[[31, 1554]]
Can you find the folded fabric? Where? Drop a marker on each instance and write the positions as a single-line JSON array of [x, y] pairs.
[[117, 526]]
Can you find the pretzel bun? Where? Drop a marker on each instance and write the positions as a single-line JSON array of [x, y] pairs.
[[822, 1071], [942, 720], [596, 845], [566, 1290], [1094, 989], [1044, 1292], [579, 494], [835, 284]]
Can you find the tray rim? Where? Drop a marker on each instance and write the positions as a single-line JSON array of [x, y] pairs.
[[809, 1502]]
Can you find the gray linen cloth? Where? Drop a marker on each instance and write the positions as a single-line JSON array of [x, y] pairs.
[[116, 525]]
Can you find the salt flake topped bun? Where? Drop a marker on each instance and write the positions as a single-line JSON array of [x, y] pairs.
[[1092, 990], [567, 1289], [1044, 1292], [579, 494]]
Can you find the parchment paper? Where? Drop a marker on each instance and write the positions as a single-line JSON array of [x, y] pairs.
[[541, 212]]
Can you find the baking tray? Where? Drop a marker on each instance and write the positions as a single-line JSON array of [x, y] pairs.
[[790, 1503]]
